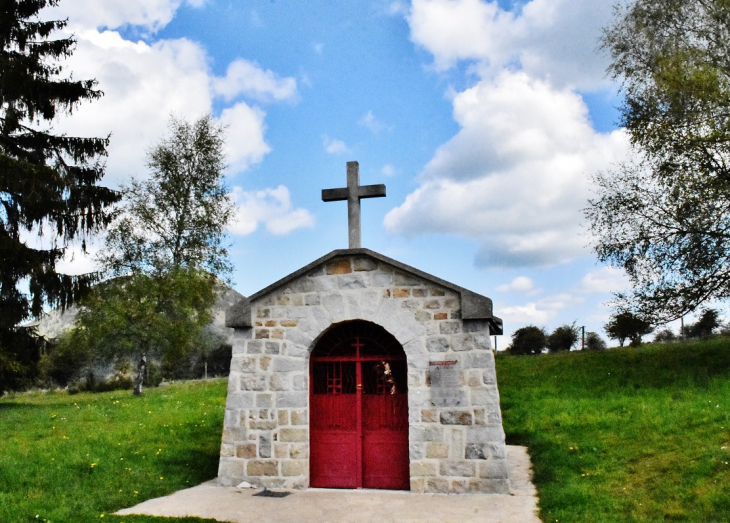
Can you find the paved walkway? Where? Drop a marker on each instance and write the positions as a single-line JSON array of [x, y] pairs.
[[354, 506]]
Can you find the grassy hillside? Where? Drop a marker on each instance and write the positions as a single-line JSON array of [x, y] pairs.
[[77, 458], [625, 435]]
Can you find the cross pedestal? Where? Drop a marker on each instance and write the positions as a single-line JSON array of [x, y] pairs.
[[353, 193]]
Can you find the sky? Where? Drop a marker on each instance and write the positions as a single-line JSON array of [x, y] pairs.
[[484, 119]]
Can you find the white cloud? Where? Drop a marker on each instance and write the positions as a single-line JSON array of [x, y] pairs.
[[373, 123], [520, 284], [271, 208], [388, 170], [247, 78], [143, 85], [514, 178], [604, 280], [318, 47], [549, 39], [152, 15], [334, 146]]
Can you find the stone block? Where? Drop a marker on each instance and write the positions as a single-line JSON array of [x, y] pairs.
[[410, 304], [243, 364], [450, 327], [246, 450], [262, 334], [291, 400], [436, 291], [420, 292], [460, 468], [486, 434], [489, 377], [299, 451], [280, 382], [300, 382], [292, 435], [283, 417], [423, 316], [239, 400], [277, 334], [264, 362], [298, 337], [297, 311], [490, 486], [459, 486], [227, 450], [429, 415], [476, 451], [415, 451], [494, 469], [262, 425], [437, 344], [485, 396], [230, 468], [497, 450], [362, 263], [437, 450], [406, 280], [254, 347], [254, 382], [418, 485], [432, 304], [477, 360], [311, 299], [335, 305], [281, 450], [270, 323], [440, 316], [401, 293], [437, 485], [299, 417], [293, 468], [456, 417], [263, 312], [423, 434], [283, 364], [272, 347], [262, 468], [479, 417], [382, 279], [264, 446], [351, 281], [339, 266], [325, 284], [423, 468]]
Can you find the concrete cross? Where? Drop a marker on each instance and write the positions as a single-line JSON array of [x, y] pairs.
[[353, 193]]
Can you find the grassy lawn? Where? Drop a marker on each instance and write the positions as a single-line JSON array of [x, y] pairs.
[[625, 435], [77, 458]]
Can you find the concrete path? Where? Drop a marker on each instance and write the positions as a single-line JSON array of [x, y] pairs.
[[354, 506]]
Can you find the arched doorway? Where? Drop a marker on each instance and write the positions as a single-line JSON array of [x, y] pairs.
[[359, 409]]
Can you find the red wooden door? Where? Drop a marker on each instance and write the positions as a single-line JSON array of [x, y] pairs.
[[359, 410]]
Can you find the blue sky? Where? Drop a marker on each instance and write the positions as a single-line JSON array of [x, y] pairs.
[[484, 119]]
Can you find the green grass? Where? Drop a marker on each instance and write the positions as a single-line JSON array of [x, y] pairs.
[[67, 458], [624, 435]]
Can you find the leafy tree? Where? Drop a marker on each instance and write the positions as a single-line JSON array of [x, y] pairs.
[[664, 216], [664, 335], [161, 316], [705, 326], [625, 325], [48, 182], [528, 340], [178, 217], [168, 246], [563, 338], [594, 342]]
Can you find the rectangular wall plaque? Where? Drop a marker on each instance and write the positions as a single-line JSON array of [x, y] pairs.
[[444, 381]]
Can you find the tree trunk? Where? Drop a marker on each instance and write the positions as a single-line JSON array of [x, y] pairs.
[[140, 375]]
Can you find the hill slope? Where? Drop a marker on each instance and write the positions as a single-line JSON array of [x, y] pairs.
[[627, 434]]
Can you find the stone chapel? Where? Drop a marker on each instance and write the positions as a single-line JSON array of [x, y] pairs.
[[358, 371]]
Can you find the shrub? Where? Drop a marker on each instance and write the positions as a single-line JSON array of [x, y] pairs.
[[664, 336], [705, 326], [594, 342], [563, 338], [528, 340]]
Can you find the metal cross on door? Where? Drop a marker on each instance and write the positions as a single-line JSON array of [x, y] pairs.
[[359, 410]]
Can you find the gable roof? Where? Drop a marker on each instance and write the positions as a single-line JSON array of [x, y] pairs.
[[473, 306]]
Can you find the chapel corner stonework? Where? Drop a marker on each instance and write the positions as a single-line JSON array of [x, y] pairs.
[[456, 440]]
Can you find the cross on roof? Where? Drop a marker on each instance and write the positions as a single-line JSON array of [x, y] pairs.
[[353, 193]]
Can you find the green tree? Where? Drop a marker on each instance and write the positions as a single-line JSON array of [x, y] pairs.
[[161, 316], [563, 338], [528, 340], [48, 182], [664, 215], [625, 325], [168, 247], [705, 326], [178, 217], [594, 342]]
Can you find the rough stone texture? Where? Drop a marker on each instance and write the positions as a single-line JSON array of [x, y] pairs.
[[456, 440]]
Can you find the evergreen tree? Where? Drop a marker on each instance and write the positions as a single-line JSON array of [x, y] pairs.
[[48, 182]]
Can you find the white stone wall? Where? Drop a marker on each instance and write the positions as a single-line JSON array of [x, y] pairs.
[[455, 448]]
